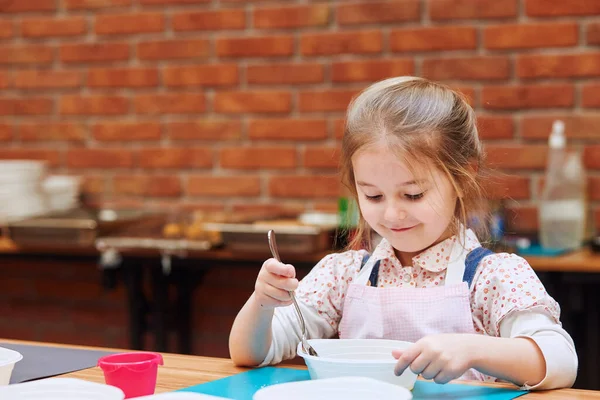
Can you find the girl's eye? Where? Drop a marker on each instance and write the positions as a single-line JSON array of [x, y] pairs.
[[373, 198], [414, 197]]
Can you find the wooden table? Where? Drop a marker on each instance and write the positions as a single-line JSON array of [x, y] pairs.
[[181, 371]]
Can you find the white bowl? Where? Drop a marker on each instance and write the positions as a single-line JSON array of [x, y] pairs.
[[347, 388], [60, 389], [369, 358], [8, 359]]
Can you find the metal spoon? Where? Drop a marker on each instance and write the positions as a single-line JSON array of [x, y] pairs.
[[308, 349]]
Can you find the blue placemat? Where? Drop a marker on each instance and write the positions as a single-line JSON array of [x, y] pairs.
[[242, 386]]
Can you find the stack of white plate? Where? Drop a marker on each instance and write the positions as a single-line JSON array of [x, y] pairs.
[[62, 192], [21, 193]]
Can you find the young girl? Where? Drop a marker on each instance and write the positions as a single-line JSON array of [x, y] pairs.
[[411, 155]]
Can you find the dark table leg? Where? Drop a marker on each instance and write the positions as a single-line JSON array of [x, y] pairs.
[[186, 281], [133, 276], [160, 307]]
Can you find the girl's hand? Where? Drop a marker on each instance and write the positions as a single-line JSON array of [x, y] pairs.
[[274, 281], [439, 357]]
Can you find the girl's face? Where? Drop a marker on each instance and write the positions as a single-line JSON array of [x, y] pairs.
[[411, 212]]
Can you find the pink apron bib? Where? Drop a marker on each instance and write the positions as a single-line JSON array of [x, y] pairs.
[[410, 314]]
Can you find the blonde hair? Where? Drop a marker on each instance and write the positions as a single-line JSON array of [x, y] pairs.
[[427, 123]]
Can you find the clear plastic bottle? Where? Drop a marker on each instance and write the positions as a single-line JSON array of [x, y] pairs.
[[562, 209]]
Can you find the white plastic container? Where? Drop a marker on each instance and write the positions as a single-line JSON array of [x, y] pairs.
[[369, 358], [60, 389], [562, 208], [347, 388], [8, 359]]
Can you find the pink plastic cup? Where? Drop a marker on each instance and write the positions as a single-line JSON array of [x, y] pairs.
[[134, 373]]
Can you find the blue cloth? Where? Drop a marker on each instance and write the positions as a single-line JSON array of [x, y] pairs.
[[242, 386]]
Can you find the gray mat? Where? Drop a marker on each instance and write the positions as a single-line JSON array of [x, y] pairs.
[[46, 361]]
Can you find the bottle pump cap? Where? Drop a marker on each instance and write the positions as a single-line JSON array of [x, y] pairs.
[[557, 137]]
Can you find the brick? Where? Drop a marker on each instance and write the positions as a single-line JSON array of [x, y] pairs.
[[472, 9], [170, 103], [517, 156], [594, 189], [122, 77], [52, 157], [6, 29], [332, 43], [205, 129], [287, 129], [124, 131], [6, 133], [211, 20], [317, 15], [495, 127], [26, 106], [223, 186], [28, 6], [201, 75], [47, 79], [321, 157], [53, 131], [593, 33], [119, 24], [329, 100], [467, 68], [508, 187], [94, 184], [176, 157], [577, 126], [304, 186], [93, 105], [371, 12], [147, 185], [94, 52], [591, 157], [522, 220], [285, 73], [273, 157], [589, 95], [263, 46], [370, 70], [173, 49], [528, 96], [49, 27], [167, 2], [94, 4], [252, 102], [433, 39], [26, 54], [558, 8], [4, 79], [597, 219], [558, 66], [524, 36], [99, 158], [339, 125]]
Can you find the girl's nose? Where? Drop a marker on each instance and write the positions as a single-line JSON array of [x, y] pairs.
[[395, 214]]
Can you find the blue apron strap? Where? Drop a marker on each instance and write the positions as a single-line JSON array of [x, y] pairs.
[[374, 272], [472, 262]]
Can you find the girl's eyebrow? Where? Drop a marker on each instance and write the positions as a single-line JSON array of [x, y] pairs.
[[409, 183]]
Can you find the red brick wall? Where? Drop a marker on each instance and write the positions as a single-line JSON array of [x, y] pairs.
[[235, 104]]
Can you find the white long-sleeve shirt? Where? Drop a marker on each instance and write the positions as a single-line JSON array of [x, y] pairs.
[[507, 300]]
